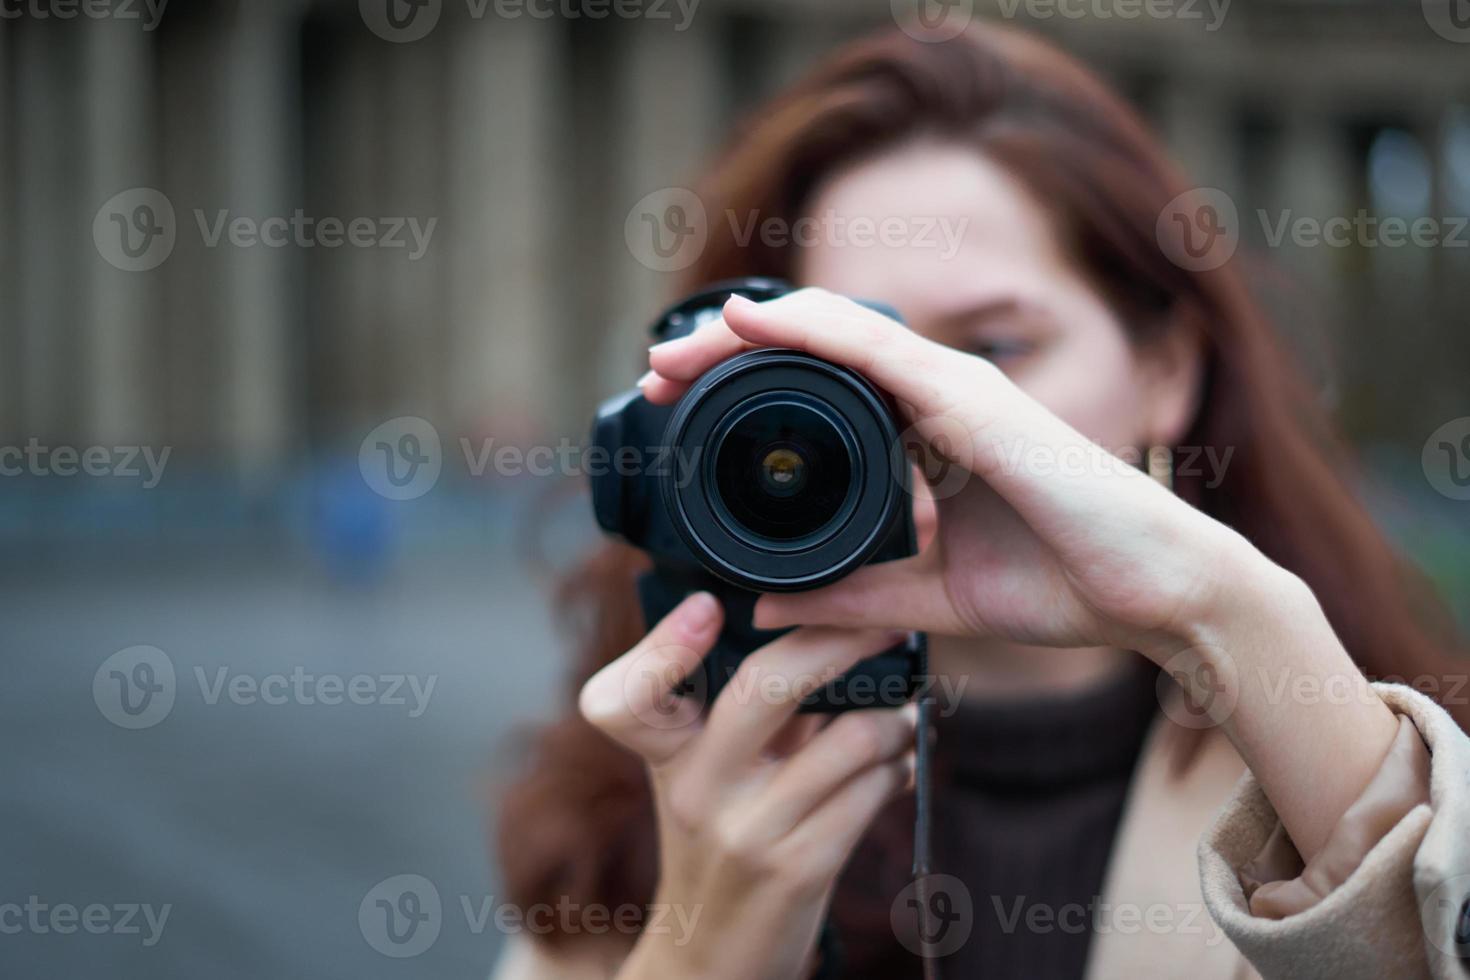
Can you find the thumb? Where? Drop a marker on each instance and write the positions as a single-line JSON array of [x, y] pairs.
[[905, 594]]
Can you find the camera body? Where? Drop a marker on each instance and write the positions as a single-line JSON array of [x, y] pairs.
[[776, 472]]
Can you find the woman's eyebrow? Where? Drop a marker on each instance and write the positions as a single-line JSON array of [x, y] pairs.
[[969, 314]]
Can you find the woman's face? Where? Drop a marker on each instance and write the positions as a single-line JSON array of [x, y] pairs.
[[978, 267]]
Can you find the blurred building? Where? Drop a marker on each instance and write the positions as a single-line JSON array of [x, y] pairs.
[[527, 139]]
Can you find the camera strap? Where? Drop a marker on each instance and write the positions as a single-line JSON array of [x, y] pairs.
[[830, 964]]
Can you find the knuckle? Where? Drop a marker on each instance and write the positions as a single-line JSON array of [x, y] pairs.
[[865, 739], [684, 805], [596, 706], [740, 846]]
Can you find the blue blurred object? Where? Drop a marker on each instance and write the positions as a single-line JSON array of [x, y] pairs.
[[352, 529]]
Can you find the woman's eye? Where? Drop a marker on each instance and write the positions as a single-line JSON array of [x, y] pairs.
[[1000, 350]]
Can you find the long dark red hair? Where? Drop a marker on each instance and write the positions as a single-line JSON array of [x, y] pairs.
[[578, 823]]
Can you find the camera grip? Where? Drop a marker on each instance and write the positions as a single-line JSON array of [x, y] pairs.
[[885, 680]]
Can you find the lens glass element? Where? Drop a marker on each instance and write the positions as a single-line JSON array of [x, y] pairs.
[[783, 470]]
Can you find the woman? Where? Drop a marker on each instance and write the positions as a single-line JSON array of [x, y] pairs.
[[1057, 583]]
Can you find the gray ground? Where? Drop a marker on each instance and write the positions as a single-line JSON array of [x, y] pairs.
[[263, 826]]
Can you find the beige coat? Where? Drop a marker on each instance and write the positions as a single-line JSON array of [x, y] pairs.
[[1175, 900]]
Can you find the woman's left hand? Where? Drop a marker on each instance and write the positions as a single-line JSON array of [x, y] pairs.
[[1044, 538]]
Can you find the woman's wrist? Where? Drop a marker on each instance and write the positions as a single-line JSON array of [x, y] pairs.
[[1259, 659]]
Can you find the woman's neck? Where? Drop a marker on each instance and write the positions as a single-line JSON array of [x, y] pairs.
[[986, 670]]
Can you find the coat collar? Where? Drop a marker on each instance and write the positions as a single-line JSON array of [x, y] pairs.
[[1152, 919]]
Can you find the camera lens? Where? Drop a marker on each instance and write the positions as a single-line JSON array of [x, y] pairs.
[[791, 485], [782, 469]]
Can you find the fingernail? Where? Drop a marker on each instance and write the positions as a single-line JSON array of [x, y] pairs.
[[740, 302], [666, 344], [910, 711], [699, 613], [647, 377]]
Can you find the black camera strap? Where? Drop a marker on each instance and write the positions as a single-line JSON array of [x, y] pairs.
[[830, 961]]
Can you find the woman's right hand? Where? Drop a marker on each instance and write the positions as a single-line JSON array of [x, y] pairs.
[[758, 807]]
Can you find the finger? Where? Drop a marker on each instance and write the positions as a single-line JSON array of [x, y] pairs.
[[678, 362], [853, 743], [635, 701], [907, 594], [768, 687], [1053, 476], [824, 840], [910, 368], [797, 732]]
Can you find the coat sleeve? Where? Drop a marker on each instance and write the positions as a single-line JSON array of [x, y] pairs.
[[1389, 894]]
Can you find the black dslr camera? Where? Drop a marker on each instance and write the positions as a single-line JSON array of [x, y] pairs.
[[776, 472]]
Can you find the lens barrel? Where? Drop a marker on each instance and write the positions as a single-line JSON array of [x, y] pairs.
[[784, 478]]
